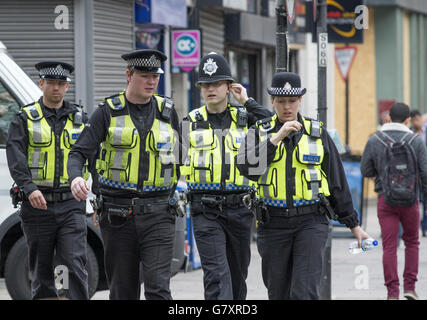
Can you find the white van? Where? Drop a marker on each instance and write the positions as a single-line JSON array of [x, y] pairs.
[[17, 90]]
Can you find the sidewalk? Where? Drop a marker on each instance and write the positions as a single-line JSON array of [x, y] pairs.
[[349, 272], [348, 269]]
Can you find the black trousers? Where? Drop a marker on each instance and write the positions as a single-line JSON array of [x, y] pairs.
[[223, 241], [292, 250], [145, 238], [61, 229]]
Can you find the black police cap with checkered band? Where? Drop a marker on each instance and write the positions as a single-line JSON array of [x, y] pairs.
[[286, 84], [54, 70], [145, 60]]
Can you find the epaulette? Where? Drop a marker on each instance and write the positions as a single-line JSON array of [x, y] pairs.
[[265, 123], [262, 121], [116, 102]]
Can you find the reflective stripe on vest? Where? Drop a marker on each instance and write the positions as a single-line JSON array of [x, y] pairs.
[[204, 163], [119, 162], [309, 179], [42, 146]]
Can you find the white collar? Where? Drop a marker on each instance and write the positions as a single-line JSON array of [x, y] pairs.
[[394, 126]]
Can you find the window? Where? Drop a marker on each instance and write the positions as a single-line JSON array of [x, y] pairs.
[[8, 109], [243, 70]]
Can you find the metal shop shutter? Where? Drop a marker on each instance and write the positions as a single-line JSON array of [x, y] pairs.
[[27, 28], [212, 25], [113, 35]]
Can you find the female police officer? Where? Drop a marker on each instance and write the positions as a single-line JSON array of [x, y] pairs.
[[298, 166]]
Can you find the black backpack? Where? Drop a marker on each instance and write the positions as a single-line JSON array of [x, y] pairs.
[[400, 178]]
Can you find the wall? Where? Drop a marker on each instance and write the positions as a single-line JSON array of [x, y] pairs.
[[362, 93]]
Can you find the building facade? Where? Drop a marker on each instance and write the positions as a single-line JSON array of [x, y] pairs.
[[89, 34]]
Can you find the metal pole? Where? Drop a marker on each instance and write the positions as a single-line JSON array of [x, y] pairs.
[[194, 22], [347, 135], [282, 49], [322, 49]]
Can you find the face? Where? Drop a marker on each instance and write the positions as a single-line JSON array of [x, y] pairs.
[[141, 84], [53, 90], [215, 92], [286, 107], [417, 122]]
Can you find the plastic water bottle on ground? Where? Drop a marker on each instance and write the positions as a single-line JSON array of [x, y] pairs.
[[367, 244]]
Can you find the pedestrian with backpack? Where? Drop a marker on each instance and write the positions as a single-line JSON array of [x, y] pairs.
[[397, 159]]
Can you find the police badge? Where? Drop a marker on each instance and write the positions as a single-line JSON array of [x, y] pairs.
[[287, 86], [210, 67]]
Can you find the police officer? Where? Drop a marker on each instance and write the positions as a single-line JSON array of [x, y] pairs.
[[222, 224], [39, 141], [137, 131], [300, 178]]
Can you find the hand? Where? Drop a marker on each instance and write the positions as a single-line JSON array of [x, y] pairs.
[[80, 188], [359, 234], [95, 219], [37, 200], [239, 92], [286, 129]]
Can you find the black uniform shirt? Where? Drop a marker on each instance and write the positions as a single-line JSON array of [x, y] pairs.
[[17, 145], [340, 197], [96, 131]]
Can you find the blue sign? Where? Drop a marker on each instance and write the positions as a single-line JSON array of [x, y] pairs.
[[186, 45], [142, 11]]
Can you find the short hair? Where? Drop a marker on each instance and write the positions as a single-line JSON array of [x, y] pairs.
[[415, 113], [399, 112]]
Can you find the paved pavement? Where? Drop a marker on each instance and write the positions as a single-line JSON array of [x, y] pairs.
[[354, 277]]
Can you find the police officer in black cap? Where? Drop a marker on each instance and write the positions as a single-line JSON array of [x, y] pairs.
[[39, 141], [300, 183], [222, 224], [137, 131]]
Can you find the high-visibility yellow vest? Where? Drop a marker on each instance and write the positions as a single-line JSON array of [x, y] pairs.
[[121, 163], [47, 153], [209, 166], [307, 180]]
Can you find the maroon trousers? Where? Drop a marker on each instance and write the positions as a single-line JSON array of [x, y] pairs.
[[389, 218]]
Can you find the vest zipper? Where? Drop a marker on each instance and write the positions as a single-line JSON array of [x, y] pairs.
[[223, 166], [289, 178], [57, 174]]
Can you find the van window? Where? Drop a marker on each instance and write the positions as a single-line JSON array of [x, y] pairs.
[[8, 108]]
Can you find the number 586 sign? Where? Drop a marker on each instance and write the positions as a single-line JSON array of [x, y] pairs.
[[186, 48]]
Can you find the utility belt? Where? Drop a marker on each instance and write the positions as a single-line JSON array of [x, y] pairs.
[[218, 201], [263, 212], [57, 196], [18, 195], [128, 208], [215, 203]]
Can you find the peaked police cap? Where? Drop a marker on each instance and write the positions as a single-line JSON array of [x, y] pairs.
[[145, 60], [54, 70]]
